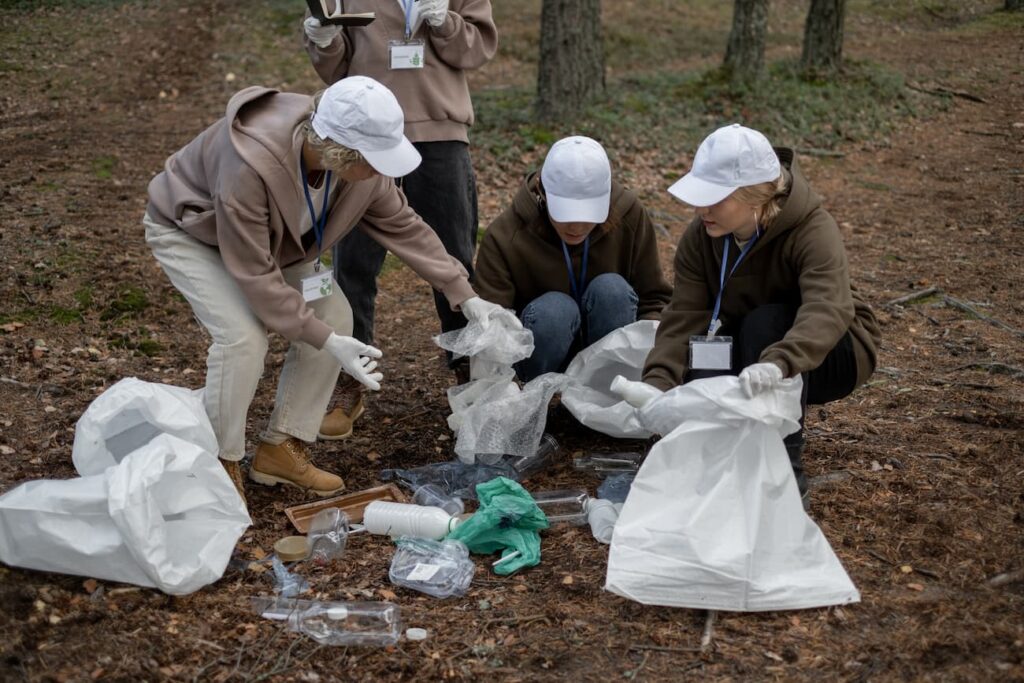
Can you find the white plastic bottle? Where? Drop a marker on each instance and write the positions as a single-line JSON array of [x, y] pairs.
[[403, 519]]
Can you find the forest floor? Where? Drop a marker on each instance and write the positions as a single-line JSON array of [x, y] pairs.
[[920, 474]]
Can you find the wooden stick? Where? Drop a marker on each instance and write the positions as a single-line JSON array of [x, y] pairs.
[[709, 631], [913, 296], [956, 303]]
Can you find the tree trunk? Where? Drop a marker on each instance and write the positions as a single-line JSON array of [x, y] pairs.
[[1014, 5], [571, 69], [823, 36], [744, 55]]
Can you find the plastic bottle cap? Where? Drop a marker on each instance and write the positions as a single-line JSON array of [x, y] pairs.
[[337, 613], [415, 634]]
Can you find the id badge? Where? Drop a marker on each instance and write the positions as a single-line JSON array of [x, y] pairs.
[[317, 286], [710, 354], [406, 54]]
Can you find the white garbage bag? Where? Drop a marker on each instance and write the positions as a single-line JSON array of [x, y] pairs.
[[714, 519], [165, 516], [587, 394], [130, 414]]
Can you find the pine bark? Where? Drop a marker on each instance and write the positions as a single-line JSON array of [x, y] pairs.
[[571, 69], [744, 54], [823, 36]]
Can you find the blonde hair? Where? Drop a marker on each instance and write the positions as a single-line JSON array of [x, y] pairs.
[[335, 157], [766, 198]]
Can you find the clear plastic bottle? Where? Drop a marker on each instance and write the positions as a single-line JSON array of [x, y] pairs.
[[403, 519], [609, 462], [434, 496], [541, 459], [567, 506], [337, 623], [328, 535]]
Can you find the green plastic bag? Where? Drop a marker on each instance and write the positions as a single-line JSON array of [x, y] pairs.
[[508, 521]]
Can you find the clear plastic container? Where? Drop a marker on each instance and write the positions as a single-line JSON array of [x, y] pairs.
[[438, 568], [615, 487], [286, 583], [609, 462], [327, 535], [336, 623], [567, 506], [434, 496], [538, 461]]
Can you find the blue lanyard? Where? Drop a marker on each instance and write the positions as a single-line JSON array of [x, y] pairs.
[[318, 223], [577, 289], [715, 323], [407, 6]]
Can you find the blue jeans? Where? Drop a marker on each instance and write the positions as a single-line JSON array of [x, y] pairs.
[[561, 328]]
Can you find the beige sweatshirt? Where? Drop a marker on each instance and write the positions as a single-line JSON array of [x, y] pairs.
[[435, 99], [236, 186]]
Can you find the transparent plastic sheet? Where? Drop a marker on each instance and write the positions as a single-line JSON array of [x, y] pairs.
[[287, 584], [454, 477], [714, 518], [615, 487], [438, 568], [510, 425], [587, 394], [328, 535], [494, 339]]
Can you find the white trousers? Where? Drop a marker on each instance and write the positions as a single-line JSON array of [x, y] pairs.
[[234, 363]]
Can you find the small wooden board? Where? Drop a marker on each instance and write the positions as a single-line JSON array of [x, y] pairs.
[[353, 504]]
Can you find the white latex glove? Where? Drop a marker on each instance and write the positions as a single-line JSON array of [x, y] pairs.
[[434, 12], [636, 394], [760, 377], [478, 310], [321, 35], [356, 359]]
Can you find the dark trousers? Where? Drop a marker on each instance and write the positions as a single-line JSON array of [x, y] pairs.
[[442, 190]]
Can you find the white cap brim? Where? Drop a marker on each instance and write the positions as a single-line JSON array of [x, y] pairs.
[[589, 210], [696, 192], [400, 160]]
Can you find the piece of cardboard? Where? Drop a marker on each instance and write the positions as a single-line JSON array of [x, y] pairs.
[[352, 504], [322, 10]]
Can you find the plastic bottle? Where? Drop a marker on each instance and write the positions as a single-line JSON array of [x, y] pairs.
[[348, 623], [403, 519], [438, 568], [538, 461], [609, 462], [602, 515], [615, 487], [568, 506], [432, 495], [328, 535]]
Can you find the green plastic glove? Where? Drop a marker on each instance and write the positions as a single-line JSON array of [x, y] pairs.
[[508, 520]]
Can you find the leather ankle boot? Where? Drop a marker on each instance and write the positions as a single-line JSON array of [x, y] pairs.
[[337, 423], [288, 463]]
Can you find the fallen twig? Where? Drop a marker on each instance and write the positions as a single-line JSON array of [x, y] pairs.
[[1006, 578], [709, 631], [659, 648], [913, 296], [956, 303], [943, 91]]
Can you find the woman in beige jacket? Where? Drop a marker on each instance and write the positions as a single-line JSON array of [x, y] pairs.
[[238, 220]]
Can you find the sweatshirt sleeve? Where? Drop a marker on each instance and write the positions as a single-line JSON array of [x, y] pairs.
[[392, 223], [244, 242], [331, 63], [468, 38], [687, 313], [826, 302], [492, 276], [647, 279]]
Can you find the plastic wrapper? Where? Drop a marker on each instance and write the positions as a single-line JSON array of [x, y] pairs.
[[438, 568], [454, 477]]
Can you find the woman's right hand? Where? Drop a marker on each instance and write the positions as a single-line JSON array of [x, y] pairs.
[[356, 359], [636, 394]]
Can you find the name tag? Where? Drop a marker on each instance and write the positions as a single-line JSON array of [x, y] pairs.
[[317, 286], [710, 354], [406, 54]]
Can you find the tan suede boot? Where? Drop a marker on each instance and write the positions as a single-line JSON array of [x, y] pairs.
[[234, 470], [337, 423], [288, 463]]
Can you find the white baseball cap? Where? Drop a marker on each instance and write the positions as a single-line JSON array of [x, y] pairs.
[[359, 113], [577, 181], [730, 158]]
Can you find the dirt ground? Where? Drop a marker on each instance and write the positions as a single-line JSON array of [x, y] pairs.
[[918, 475]]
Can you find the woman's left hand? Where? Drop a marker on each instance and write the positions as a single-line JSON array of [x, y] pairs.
[[478, 310], [760, 377]]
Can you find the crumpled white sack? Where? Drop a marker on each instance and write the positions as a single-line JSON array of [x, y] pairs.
[[714, 519]]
